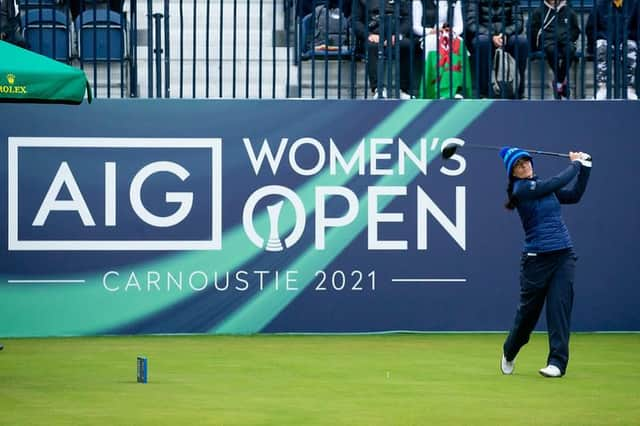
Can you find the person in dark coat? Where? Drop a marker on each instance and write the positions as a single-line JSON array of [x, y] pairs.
[[547, 268], [10, 26], [492, 24], [373, 24], [554, 30]]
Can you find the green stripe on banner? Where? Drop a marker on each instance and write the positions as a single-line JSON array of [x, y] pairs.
[[90, 309], [256, 314]]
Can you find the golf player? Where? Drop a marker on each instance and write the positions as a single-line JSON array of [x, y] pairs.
[[548, 261]]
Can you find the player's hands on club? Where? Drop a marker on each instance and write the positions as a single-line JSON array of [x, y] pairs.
[[582, 157]]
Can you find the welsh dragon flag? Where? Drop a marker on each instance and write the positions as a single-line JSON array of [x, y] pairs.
[[450, 67]]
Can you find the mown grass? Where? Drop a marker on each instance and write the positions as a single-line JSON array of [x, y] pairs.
[[374, 379]]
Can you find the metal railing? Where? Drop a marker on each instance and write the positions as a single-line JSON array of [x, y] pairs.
[[340, 48]]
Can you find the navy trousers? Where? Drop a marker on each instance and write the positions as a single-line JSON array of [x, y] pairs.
[[545, 277]]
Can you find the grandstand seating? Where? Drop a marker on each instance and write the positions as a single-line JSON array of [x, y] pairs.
[[46, 30], [239, 54], [101, 35], [38, 4]]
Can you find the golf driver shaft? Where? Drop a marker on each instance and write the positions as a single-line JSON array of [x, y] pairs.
[[531, 151]]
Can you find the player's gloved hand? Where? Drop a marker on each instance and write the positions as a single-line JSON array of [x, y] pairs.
[[585, 159]]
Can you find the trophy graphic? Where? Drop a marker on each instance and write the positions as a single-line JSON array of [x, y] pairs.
[[274, 243]]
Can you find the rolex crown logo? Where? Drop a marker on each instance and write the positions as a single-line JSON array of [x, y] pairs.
[[11, 78]]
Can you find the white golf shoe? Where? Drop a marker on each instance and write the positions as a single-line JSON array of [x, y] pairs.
[[551, 371], [631, 93], [601, 94], [507, 367], [380, 94]]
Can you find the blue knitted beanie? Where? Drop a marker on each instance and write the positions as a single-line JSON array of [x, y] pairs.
[[511, 154]]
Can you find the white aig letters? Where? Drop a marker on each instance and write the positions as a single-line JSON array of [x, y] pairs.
[[75, 204], [327, 168]]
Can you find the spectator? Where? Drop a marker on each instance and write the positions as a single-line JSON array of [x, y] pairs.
[[430, 16], [394, 19], [554, 30], [436, 23], [10, 27], [305, 7], [492, 24], [612, 25]]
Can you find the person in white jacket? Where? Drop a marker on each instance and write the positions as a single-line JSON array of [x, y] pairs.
[[431, 16], [438, 23]]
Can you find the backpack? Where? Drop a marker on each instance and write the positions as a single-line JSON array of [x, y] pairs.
[[331, 28], [503, 75]]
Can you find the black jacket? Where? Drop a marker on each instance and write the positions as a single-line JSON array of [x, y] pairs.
[[367, 16], [7, 12], [492, 17], [10, 27], [608, 22], [429, 13], [552, 26]]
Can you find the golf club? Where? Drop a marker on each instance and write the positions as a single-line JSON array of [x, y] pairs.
[[449, 150]]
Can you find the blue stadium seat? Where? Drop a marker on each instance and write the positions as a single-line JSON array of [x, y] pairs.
[[306, 47], [101, 35], [47, 32]]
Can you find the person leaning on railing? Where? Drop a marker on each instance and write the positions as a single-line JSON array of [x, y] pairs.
[[554, 30], [370, 18], [492, 24], [610, 24]]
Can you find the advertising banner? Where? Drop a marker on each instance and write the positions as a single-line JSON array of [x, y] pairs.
[[227, 216]]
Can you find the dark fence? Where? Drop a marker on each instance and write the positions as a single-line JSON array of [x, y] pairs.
[[343, 48]]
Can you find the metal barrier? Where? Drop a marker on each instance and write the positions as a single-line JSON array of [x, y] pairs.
[[341, 48], [98, 36]]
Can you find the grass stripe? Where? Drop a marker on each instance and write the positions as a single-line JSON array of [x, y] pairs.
[[316, 380]]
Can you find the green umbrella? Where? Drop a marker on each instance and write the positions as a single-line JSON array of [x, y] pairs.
[[28, 77]]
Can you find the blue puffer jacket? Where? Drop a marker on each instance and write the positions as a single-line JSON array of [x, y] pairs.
[[538, 203]]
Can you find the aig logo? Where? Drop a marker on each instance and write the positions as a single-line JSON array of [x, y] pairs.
[[81, 194]]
